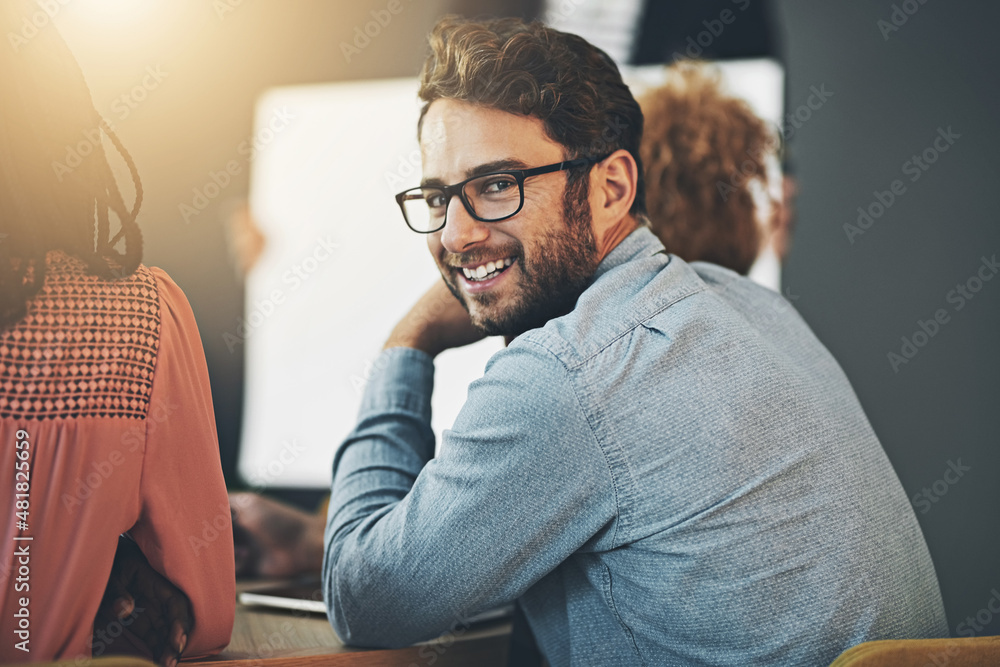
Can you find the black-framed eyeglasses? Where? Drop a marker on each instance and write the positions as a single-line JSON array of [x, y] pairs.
[[488, 198]]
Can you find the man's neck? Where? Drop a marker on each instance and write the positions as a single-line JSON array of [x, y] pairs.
[[614, 235], [607, 242]]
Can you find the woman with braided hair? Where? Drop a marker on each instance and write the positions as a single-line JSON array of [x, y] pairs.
[[110, 464]]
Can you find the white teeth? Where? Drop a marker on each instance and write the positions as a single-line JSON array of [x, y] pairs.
[[483, 270]]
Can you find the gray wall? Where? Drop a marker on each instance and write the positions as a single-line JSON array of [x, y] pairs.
[[890, 96], [889, 99]]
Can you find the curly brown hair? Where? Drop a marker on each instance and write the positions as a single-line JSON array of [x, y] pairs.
[[530, 69], [703, 149]]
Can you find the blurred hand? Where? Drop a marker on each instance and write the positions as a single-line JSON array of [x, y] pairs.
[[273, 539], [246, 240], [156, 612], [437, 322]]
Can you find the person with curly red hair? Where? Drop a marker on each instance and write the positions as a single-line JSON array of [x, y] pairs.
[[715, 188]]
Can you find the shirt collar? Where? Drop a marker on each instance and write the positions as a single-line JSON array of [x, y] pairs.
[[641, 242]]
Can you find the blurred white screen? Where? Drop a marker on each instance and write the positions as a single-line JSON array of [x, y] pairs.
[[328, 179]]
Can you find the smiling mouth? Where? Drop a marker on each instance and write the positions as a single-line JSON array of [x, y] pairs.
[[486, 271]]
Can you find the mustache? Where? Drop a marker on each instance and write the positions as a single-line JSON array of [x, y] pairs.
[[455, 260]]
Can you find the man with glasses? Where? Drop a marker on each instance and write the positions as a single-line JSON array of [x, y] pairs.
[[554, 275], [663, 466]]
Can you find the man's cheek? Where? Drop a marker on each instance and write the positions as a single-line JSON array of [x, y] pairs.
[[435, 247]]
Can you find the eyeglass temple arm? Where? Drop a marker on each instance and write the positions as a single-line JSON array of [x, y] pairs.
[[567, 164]]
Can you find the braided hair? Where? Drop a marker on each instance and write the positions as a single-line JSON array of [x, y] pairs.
[[57, 190]]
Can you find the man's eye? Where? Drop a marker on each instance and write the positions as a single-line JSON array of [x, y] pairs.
[[494, 186], [434, 199]]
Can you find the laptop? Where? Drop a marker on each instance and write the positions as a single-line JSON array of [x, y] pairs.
[[307, 595]]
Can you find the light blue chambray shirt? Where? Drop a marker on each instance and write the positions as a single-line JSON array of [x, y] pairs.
[[675, 473]]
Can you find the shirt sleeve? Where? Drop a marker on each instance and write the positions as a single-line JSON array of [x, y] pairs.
[[416, 545], [184, 527]]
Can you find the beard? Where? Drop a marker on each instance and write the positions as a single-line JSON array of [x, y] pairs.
[[554, 272]]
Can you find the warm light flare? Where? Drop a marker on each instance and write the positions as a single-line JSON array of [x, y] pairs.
[[115, 10], [99, 16]]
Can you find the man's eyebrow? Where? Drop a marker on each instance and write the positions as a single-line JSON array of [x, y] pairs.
[[498, 165], [479, 170]]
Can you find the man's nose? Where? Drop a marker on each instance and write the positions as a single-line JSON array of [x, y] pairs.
[[461, 230]]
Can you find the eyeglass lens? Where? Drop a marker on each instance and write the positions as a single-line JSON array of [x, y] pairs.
[[491, 197]]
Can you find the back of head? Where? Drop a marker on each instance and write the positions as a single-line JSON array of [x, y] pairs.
[[527, 68], [49, 202], [706, 155]]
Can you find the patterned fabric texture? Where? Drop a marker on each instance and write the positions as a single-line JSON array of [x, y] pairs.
[[87, 347]]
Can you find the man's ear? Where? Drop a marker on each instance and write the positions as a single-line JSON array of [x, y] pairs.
[[614, 184]]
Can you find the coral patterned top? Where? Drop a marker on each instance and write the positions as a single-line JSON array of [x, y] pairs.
[[106, 426]]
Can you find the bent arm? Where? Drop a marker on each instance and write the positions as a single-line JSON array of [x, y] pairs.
[[184, 528], [415, 545]]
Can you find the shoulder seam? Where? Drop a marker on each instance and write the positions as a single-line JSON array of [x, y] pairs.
[[638, 323]]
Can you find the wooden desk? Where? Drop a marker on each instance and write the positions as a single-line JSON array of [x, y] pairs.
[[277, 638]]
